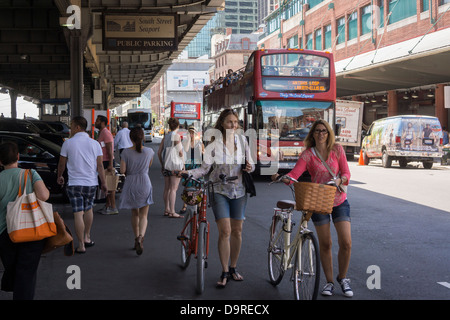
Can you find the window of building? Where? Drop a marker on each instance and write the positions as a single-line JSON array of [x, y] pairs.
[[401, 9], [366, 19], [441, 2], [340, 30], [245, 44], [318, 39], [327, 37], [425, 5], [381, 13], [313, 3], [309, 41], [353, 26], [293, 42]]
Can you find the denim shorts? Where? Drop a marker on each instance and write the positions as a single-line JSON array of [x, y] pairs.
[[224, 207], [81, 197], [339, 213]]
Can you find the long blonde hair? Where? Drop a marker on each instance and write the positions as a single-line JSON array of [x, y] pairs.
[[331, 140]]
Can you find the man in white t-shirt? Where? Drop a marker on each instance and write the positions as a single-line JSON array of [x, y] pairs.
[[122, 139], [84, 159]]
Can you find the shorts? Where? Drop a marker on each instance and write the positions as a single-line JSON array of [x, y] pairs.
[[81, 197], [339, 213], [224, 207]]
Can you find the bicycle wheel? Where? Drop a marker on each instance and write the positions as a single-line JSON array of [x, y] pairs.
[[276, 251], [201, 256], [186, 238], [306, 273]]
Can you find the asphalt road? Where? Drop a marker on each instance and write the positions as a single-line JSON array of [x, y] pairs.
[[400, 228]]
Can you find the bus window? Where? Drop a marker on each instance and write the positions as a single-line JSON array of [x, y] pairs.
[[295, 64]]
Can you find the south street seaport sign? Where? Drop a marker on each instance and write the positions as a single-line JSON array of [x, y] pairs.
[[139, 32]]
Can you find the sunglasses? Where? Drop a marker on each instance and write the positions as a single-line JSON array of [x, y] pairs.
[[319, 131]]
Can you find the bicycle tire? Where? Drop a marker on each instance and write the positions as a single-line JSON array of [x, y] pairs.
[[186, 242], [201, 256], [306, 280], [276, 252]]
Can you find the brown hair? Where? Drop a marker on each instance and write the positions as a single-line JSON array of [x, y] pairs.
[[309, 140], [8, 153], [225, 113], [173, 123], [137, 136]]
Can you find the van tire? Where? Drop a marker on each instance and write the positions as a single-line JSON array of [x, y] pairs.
[[366, 159], [386, 160], [402, 163], [427, 164]]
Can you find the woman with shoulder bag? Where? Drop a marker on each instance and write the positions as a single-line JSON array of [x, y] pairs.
[[230, 199], [170, 155], [20, 260], [320, 144]]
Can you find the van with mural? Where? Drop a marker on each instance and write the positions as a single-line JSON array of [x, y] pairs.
[[405, 139]]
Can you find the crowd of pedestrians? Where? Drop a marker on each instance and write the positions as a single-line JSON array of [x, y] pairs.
[[87, 162]]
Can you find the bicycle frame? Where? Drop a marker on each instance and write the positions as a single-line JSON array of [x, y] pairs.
[[291, 248]]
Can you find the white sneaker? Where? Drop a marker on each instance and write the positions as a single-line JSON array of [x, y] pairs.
[[112, 211], [345, 286], [328, 289], [102, 210]]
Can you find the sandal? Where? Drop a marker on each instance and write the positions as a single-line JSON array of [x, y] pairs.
[[235, 275], [223, 276], [139, 245], [183, 210], [174, 215]]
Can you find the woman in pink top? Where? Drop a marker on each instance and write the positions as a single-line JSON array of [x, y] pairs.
[[321, 140]]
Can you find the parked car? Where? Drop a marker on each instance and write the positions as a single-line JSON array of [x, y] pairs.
[[46, 127], [19, 125], [59, 126], [404, 138], [37, 153]]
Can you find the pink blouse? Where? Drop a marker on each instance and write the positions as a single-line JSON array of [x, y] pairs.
[[337, 162]]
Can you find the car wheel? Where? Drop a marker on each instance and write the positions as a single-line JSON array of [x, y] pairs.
[[386, 159]]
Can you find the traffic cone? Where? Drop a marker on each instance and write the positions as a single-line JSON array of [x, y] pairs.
[[361, 159]]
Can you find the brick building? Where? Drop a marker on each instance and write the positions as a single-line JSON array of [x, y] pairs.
[[392, 54]]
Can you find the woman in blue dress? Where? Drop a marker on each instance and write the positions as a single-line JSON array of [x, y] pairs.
[[137, 189]]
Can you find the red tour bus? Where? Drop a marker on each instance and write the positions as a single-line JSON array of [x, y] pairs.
[[188, 113], [283, 89]]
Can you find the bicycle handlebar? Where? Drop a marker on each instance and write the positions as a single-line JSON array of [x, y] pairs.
[[283, 177], [223, 179]]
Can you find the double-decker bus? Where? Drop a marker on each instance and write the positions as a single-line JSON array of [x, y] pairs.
[[280, 93], [187, 113]]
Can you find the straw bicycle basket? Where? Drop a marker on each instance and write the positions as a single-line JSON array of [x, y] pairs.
[[314, 197]]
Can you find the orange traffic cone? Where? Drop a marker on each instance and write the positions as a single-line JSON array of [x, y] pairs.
[[361, 159]]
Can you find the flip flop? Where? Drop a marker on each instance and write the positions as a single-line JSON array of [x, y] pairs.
[[89, 244]]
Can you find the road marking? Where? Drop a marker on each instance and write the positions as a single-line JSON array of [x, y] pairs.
[[445, 284]]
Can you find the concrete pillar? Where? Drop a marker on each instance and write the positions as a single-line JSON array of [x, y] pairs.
[[13, 95], [392, 108], [440, 111], [76, 73]]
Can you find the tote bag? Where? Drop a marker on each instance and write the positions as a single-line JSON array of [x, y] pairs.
[[28, 218], [173, 161]]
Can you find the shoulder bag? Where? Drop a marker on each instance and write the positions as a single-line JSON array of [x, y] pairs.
[[62, 238], [28, 218], [341, 187]]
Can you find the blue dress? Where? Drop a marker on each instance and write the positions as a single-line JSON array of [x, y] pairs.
[[137, 189]]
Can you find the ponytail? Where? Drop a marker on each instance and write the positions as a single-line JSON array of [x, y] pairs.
[[137, 136]]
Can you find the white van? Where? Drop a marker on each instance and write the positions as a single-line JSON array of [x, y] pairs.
[[404, 138]]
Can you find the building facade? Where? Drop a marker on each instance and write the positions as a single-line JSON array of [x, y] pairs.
[[388, 53]]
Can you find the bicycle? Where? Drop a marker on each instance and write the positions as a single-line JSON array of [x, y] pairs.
[[301, 254], [194, 236]]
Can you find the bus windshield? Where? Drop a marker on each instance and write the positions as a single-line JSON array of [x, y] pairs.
[[295, 64], [295, 72], [140, 118], [292, 118]]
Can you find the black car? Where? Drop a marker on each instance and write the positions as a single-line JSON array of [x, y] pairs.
[[59, 126], [37, 153], [19, 125], [46, 127]]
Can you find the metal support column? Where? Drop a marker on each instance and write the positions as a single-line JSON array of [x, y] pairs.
[[76, 73], [13, 95]]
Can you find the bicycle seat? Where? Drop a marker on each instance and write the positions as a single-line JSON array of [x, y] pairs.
[[286, 204]]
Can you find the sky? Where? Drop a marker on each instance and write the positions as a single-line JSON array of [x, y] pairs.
[[30, 109]]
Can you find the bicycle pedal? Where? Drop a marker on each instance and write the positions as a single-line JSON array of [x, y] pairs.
[[206, 264], [182, 238]]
